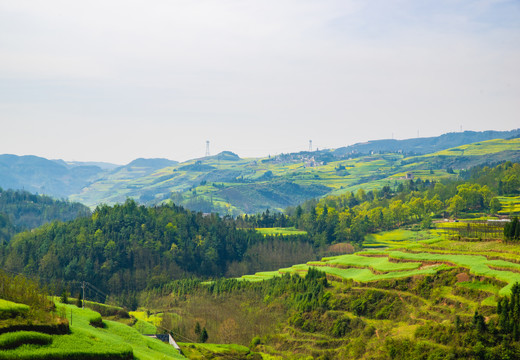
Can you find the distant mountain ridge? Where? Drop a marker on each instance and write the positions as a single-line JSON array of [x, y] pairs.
[[226, 183], [426, 145], [60, 179]]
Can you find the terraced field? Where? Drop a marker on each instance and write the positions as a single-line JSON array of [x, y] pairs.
[[402, 253], [510, 205], [424, 280]]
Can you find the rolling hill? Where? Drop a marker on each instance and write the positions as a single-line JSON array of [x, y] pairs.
[[228, 184]]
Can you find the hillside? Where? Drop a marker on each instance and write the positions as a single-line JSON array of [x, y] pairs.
[[235, 186], [33, 327], [228, 184], [61, 179], [28, 211], [39, 175], [426, 145], [420, 296], [380, 273]]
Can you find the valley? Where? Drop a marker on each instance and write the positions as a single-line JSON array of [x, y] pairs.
[[372, 256]]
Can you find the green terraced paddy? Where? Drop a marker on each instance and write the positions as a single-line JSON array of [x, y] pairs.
[[477, 264], [376, 263], [409, 253]]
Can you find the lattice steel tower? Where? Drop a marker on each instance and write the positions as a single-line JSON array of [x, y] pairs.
[[207, 147]]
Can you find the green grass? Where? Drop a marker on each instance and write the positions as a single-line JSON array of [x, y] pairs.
[[9, 309], [481, 148], [16, 339], [145, 327], [281, 231], [113, 341]]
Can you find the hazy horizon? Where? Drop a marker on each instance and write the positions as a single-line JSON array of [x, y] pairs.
[[112, 82], [223, 150]]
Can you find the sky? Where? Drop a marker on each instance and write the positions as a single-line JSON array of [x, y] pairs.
[[122, 79]]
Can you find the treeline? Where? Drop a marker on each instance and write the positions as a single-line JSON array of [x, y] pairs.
[[504, 178], [20, 210], [127, 248]]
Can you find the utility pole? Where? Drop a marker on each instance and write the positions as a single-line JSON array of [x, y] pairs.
[[83, 302], [310, 145], [207, 147]]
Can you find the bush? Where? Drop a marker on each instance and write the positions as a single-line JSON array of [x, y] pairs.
[[97, 321]]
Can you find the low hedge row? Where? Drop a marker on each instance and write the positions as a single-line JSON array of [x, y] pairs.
[[52, 329], [15, 339]]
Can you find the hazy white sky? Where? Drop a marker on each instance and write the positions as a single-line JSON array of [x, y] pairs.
[[116, 80]]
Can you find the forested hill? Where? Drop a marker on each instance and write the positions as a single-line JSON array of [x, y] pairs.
[[126, 248], [21, 210], [129, 247]]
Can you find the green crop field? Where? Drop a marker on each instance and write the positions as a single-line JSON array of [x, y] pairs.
[[380, 264], [10, 309], [403, 253], [482, 148], [510, 205], [280, 231]]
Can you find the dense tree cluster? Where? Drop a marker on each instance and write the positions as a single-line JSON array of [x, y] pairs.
[[504, 178], [508, 310], [129, 247], [512, 230], [21, 210]]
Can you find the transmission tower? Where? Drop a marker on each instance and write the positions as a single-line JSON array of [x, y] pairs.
[[207, 147], [310, 145]]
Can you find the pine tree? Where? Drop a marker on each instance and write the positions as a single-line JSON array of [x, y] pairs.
[[203, 336], [79, 303], [64, 297]]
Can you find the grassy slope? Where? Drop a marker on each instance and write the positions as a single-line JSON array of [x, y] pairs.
[[90, 342], [236, 186]]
